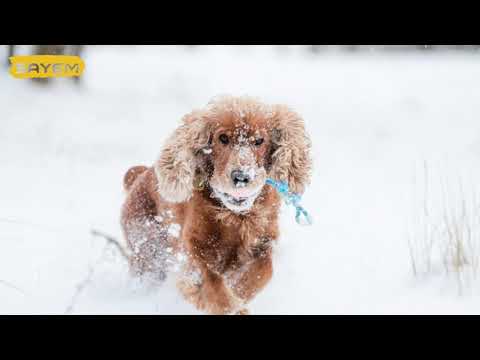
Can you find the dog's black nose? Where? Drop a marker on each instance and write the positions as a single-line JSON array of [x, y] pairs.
[[240, 178]]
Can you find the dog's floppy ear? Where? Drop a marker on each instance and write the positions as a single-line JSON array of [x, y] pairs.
[[176, 166], [290, 157]]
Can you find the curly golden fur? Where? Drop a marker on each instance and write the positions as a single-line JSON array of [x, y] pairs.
[[203, 210]]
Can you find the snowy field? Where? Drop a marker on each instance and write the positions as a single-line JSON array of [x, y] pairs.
[[374, 119]]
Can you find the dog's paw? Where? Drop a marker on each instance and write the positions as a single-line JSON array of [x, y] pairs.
[[212, 299], [243, 311]]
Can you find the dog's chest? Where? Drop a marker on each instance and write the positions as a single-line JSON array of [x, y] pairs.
[[226, 241], [228, 250]]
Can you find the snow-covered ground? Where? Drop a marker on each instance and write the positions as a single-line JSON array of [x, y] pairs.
[[373, 118]]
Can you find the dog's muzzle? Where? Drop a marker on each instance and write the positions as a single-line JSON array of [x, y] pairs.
[[240, 178], [236, 204]]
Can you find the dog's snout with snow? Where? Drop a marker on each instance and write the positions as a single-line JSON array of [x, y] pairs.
[[240, 178]]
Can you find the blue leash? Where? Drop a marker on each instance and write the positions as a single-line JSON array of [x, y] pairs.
[[301, 217]]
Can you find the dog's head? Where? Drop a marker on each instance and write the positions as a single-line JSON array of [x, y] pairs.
[[234, 144]]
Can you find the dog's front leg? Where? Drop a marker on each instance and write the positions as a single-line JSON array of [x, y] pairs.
[[254, 278], [219, 299], [210, 295]]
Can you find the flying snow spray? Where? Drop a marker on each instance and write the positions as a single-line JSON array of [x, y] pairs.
[[301, 217]]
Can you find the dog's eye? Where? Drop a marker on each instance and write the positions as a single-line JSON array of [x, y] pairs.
[[223, 139], [259, 142]]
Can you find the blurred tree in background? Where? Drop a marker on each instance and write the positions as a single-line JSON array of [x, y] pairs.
[[351, 48], [314, 49], [10, 52]]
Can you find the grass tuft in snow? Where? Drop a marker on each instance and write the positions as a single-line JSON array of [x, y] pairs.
[[444, 236]]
